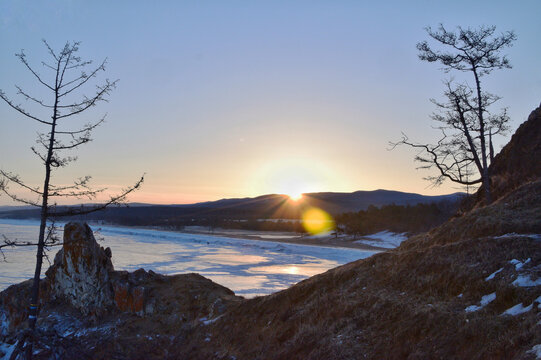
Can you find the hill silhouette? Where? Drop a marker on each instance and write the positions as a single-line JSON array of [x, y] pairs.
[[271, 206]]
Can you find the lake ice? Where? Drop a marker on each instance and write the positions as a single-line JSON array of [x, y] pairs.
[[248, 267]]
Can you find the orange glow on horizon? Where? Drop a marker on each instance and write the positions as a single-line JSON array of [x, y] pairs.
[[295, 196]]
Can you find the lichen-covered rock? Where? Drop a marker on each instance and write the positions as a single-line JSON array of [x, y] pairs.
[[81, 271], [129, 298]]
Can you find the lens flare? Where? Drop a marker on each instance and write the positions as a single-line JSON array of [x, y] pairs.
[[317, 221]]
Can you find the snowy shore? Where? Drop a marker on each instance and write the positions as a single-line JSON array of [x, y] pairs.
[[248, 266]]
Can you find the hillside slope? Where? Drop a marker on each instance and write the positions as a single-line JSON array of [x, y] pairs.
[[407, 303]]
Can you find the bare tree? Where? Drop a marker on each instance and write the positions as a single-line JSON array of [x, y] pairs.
[[466, 123], [65, 78]]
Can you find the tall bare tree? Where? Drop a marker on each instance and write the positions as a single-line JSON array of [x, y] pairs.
[[465, 120], [65, 78]]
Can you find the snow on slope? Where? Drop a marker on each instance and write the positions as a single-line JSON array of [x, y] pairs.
[[383, 239]]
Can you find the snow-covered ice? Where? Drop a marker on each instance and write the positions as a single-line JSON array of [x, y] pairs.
[[485, 300], [248, 267], [383, 239]]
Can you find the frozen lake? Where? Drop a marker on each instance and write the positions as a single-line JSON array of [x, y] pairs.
[[248, 267]]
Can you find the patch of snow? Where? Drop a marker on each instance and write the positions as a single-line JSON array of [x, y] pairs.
[[4, 323], [519, 264], [485, 300], [526, 281], [206, 321], [533, 236], [460, 295], [491, 276], [6, 350], [517, 309], [536, 350], [105, 329], [538, 301], [383, 239]]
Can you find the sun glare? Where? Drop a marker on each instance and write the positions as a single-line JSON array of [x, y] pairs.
[[295, 196], [293, 177]]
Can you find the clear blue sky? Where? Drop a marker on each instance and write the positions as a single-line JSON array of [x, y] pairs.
[[240, 98]]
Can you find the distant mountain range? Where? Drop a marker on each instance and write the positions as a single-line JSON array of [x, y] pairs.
[[271, 206]]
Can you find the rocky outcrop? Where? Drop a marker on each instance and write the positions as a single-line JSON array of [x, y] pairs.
[[83, 299], [80, 273], [518, 162]]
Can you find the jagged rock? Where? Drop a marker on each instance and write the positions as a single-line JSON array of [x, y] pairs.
[[518, 162], [81, 271]]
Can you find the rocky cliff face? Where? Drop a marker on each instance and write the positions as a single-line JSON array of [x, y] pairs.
[[519, 161]]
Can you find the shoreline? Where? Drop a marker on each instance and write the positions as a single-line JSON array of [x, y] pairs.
[[345, 242]]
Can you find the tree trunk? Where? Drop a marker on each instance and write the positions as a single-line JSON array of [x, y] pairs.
[[484, 174], [34, 302]]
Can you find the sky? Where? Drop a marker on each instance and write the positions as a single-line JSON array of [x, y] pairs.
[[220, 99]]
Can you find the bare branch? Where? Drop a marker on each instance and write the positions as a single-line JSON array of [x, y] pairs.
[[51, 51], [439, 159], [21, 110], [15, 179], [20, 91], [22, 57], [19, 199], [99, 96], [83, 79], [114, 200], [86, 129]]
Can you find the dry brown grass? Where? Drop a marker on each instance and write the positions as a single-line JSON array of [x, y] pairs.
[[517, 212], [394, 306]]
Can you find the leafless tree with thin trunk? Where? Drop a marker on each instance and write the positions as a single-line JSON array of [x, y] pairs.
[[66, 75], [464, 119]]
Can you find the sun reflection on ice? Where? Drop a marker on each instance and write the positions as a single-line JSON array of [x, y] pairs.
[[291, 270], [248, 267]]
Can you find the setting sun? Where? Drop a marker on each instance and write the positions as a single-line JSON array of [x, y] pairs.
[[292, 177], [295, 196]]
